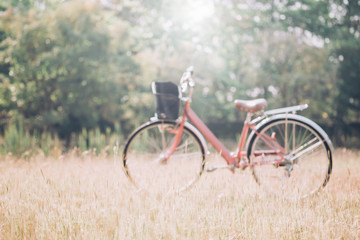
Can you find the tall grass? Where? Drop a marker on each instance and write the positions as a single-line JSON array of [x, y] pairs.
[[68, 197], [21, 142], [96, 141]]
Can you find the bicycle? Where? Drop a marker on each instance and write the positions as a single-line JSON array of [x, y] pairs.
[[288, 154]]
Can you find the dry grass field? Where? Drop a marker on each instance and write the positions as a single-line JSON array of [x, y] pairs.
[[90, 198]]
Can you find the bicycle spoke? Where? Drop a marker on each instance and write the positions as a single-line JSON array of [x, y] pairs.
[[303, 150], [147, 167], [304, 169]]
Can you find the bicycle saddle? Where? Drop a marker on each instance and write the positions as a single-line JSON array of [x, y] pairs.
[[251, 105]]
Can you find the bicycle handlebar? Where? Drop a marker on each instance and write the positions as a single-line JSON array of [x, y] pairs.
[[186, 79], [190, 69]]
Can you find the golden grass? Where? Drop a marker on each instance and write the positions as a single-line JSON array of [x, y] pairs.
[[90, 198]]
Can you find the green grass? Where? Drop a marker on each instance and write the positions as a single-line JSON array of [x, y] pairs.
[[22, 143], [89, 197]]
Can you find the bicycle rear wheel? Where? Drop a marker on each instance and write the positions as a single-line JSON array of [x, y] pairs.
[[293, 161], [142, 154]]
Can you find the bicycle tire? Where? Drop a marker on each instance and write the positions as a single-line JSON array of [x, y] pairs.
[[141, 158], [302, 176]]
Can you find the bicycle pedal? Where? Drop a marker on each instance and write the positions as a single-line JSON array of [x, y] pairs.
[[243, 164], [213, 168], [161, 159]]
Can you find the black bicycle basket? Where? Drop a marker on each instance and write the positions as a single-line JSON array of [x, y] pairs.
[[167, 99]]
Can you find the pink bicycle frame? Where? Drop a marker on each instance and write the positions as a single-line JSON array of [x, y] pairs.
[[231, 158]]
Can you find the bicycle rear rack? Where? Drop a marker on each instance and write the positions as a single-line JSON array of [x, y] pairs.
[[292, 110]]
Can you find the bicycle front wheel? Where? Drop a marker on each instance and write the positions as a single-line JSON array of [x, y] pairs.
[[144, 149], [289, 157]]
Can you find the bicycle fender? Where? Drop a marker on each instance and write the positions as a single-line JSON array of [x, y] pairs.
[[299, 118], [198, 134]]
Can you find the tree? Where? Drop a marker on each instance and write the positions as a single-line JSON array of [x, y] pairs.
[[66, 69], [85, 64]]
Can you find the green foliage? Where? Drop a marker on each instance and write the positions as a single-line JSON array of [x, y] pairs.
[[77, 68], [97, 142], [20, 142], [66, 71], [17, 141], [349, 74]]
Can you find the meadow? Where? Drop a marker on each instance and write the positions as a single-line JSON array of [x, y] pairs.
[[86, 196]]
